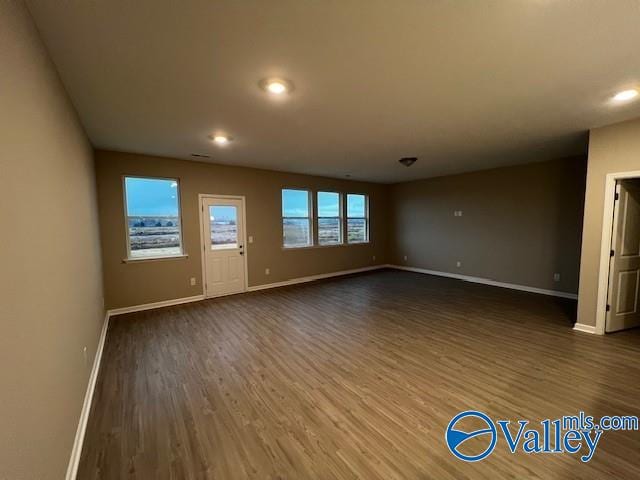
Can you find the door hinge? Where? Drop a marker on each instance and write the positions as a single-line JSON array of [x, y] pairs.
[[608, 307], [617, 197], [611, 253]]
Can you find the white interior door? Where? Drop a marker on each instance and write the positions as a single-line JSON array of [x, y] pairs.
[[624, 268], [223, 245]]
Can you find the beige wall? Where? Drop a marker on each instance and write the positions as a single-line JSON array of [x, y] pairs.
[[50, 278], [519, 224], [129, 284], [612, 149]]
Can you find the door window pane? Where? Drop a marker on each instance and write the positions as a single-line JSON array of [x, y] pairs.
[[296, 218], [153, 218], [329, 218], [357, 218], [223, 220]]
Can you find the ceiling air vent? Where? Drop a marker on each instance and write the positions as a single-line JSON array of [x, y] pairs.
[[408, 161], [200, 155]]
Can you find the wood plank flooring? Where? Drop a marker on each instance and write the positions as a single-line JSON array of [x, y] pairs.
[[353, 378]]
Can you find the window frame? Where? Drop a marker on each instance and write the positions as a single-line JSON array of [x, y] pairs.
[[366, 218], [129, 258], [310, 218], [340, 217]]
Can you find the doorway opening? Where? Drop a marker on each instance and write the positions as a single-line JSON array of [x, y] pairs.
[[619, 282], [224, 259]]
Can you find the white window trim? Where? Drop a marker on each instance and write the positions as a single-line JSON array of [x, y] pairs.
[[366, 218], [153, 259], [340, 217], [310, 218], [173, 256]]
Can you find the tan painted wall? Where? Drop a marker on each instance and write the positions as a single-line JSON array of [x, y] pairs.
[[50, 275], [612, 149], [519, 224], [129, 284]]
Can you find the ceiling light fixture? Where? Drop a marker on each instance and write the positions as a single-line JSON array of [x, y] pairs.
[[220, 139], [625, 95], [276, 86], [408, 161]]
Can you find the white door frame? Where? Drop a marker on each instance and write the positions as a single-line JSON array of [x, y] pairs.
[[605, 245], [202, 196]]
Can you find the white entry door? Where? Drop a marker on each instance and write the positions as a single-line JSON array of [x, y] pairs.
[[223, 245], [624, 269]]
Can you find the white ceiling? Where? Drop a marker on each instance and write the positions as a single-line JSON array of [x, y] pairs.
[[463, 85]]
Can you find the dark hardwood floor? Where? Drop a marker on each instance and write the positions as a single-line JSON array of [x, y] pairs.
[[353, 378]]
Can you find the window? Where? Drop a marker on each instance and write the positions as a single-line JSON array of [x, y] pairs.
[[329, 218], [296, 218], [357, 218], [153, 217]]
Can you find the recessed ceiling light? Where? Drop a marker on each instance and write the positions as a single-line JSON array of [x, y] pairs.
[[220, 139], [625, 95], [276, 86]]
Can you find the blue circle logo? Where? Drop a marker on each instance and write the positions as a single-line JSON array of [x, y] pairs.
[[455, 438]]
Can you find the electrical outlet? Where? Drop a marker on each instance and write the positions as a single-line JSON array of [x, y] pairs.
[[267, 271], [556, 277], [250, 238], [193, 281], [405, 258], [373, 258], [458, 264]]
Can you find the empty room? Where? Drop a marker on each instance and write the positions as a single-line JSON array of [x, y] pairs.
[[295, 239]]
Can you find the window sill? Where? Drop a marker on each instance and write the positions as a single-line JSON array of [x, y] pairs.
[[311, 247], [154, 259]]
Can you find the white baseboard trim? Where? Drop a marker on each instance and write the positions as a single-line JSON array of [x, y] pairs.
[[486, 281], [581, 327], [151, 306], [76, 451], [312, 278], [197, 298]]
